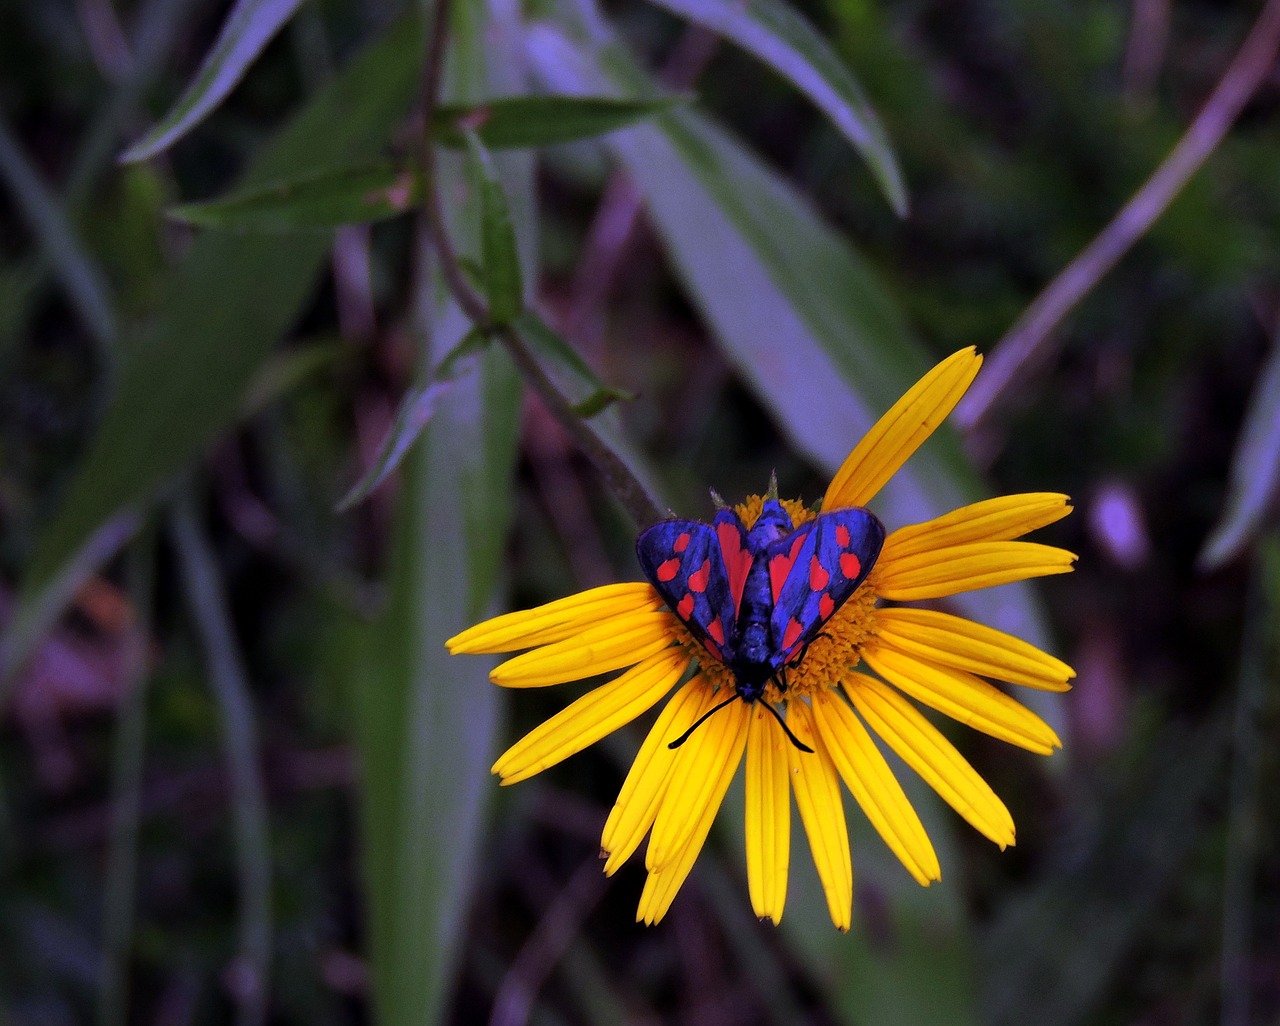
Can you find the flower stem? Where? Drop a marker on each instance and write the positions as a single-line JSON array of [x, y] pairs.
[[617, 475], [128, 747]]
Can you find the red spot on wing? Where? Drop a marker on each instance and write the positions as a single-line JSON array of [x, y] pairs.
[[792, 634], [682, 542], [826, 605], [699, 578], [737, 561], [685, 609], [850, 565], [668, 570], [716, 630], [818, 576], [781, 564], [842, 536], [714, 649]]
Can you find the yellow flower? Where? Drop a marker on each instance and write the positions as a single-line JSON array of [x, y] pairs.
[[832, 706]]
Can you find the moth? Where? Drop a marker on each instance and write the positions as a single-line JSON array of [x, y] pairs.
[[756, 599]]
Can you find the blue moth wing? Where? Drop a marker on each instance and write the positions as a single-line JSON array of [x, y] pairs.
[[683, 561], [813, 572]]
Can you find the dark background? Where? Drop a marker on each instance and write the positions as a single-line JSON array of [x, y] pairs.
[[1145, 886]]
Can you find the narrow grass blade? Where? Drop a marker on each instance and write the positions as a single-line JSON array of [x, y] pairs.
[[518, 122], [208, 601], [245, 34], [85, 284], [1259, 661], [37, 611], [1255, 470], [425, 721], [128, 748], [776, 33]]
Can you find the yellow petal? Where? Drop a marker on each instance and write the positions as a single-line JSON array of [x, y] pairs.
[[661, 885], [949, 571], [817, 790], [963, 697], [1000, 519], [555, 621], [768, 804], [705, 764], [664, 881], [922, 747], [964, 645], [591, 717], [874, 786], [638, 801], [902, 430], [622, 641]]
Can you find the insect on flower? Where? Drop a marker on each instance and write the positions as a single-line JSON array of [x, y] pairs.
[[795, 627], [756, 599]]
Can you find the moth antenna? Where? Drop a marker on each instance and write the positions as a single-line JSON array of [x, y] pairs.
[[772, 493], [718, 502], [703, 719], [787, 730]]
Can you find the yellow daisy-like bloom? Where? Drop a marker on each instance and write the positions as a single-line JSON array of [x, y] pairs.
[[833, 707]]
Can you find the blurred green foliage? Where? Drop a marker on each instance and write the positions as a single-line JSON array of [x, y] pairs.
[[735, 264]]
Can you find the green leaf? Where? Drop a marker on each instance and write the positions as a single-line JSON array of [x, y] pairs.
[[501, 261], [600, 400], [284, 371], [1255, 470], [415, 410], [426, 722], [245, 34], [225, 308], [412, 417], [516, 122], [352, 195], [776, 34]]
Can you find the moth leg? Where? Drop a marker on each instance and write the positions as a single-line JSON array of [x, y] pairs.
[[703, 719], [787, 730]]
